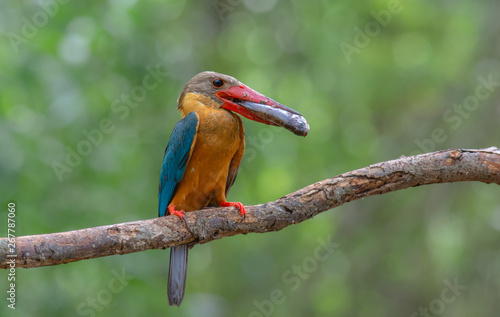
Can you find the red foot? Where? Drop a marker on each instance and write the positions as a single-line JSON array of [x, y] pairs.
[[178, 213], [237, 205]]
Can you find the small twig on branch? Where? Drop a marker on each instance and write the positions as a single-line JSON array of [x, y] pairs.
[[207, 225]]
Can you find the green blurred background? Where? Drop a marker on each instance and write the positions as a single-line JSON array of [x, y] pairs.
[[375, 79]]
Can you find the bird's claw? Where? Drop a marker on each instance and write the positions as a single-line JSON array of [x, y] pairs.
[[185, 223], [237, 205], [179, 213]]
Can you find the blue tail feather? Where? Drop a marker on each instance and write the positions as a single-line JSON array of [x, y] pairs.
[[177, 274]]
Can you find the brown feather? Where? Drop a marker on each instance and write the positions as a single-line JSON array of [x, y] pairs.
[[215, 158]]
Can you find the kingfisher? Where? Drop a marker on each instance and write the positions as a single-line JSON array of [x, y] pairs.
[[204, 152]]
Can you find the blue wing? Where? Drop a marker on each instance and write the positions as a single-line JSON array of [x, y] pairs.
[[177, 153]]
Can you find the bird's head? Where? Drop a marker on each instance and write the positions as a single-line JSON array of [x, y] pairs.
[[226, 92]]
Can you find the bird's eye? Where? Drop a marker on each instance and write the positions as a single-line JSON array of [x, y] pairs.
[[217, 82]]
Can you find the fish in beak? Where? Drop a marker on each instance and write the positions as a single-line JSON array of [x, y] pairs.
[[255, 106]]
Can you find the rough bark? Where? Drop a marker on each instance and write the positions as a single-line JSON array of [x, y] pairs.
[[206, 225]]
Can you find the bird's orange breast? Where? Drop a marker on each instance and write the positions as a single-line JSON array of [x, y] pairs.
[[219, 138]]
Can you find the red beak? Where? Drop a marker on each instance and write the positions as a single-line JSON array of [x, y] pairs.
[[255, 106]]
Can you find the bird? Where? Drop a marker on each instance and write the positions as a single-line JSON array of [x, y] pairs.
[[205, 149]]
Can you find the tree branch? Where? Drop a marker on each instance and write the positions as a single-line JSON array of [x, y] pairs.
[[160, 233]]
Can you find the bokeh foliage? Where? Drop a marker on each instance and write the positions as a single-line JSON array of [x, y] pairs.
[[404, 81]]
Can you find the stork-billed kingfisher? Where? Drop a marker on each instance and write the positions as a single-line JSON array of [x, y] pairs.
[[205, 150]]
